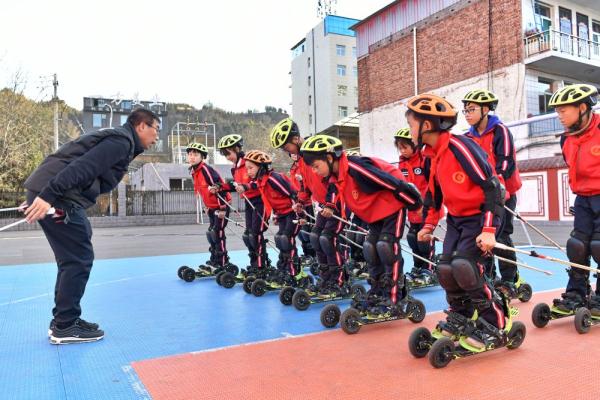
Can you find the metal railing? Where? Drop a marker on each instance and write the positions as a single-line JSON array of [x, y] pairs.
[[553, 40]]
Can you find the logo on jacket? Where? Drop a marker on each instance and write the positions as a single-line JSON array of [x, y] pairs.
[[418, 171], [459, 177], [595, 150], [355, 194]]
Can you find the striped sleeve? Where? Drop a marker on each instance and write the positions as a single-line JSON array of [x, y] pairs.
[[280, 184], [504, 149]]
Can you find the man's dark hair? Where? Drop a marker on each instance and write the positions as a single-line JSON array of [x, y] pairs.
[[142, 115]]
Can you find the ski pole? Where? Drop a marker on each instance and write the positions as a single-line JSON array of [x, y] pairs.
[[346, 222], [12, 209], [527, 266], [242, 226], [51, 211], [542, 234], [254, 208], [533, 253]]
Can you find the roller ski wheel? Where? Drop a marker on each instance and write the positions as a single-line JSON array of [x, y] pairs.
[[218, 278], [286, 295], [516, 335], [227, 279], [259, 287], [357, 291], [301, 300], [188, 274], [350, 321], [180, 271], [524, 292], [416, 311], [232, 269], [330, 316], [441, 352], [541, 315], [419, 342], [247, 284]]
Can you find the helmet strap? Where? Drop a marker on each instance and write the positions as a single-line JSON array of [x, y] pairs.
[[483, 116], [576, 128]]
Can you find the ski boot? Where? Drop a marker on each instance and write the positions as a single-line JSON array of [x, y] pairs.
[[566, 306], [364, 312], [421, 278], [473, 336], [515, 290]]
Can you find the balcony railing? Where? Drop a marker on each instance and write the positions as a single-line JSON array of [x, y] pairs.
[[552, 40]]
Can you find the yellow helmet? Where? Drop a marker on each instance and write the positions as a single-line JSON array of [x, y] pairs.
[[322, 144], [229, 141], [482, 97], [280, 134], [403, 133], [258, 157], [573, 95], [199, 147], [353, 152]]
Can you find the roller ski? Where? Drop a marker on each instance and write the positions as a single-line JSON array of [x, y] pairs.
[[246, 276], [520, 289], [208, 270], [373, 308], [322, 292], [586, 313], [453, 339], [279, 281]]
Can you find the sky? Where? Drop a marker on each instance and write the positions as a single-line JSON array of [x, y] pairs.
[[235, 54]]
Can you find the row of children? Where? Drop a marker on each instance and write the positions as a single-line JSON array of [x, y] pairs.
[[474, 176]]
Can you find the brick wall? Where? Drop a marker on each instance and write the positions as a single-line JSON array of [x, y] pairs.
[[449, 50]]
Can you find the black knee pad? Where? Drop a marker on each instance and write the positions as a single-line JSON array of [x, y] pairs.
[[314, 239], [466, 273], [326, 244], [578, 248], [211, 236], [385, 249], [445, 275], [370, 250], [595, 247], [283, 243]]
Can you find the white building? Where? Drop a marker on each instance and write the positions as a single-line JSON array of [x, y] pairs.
[[324, 75]]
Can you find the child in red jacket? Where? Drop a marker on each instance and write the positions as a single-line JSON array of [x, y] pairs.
[[581, 150], [204, 177], [460, 176], [377, 193], [415, 168]]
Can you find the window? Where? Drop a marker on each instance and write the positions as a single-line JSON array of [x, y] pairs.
[[340, 50], [543, 19], [123, 119], [354, 51], [176, 184], [98, 120], [566, 29], [126, 104], [309, 100], [342, 90], [355, 71], [309, 81], [188, 184], [342, 111], [596, 38], [310, 119], [544, 94], [308, 62], [341, 70], [583, 32]]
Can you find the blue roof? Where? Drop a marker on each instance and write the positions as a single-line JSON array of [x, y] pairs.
[[339, 25]]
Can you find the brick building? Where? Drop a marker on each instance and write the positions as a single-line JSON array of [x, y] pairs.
[[522, 50]]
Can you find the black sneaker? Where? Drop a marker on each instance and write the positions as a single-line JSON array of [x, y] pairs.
[[79, 331], [89, 325]]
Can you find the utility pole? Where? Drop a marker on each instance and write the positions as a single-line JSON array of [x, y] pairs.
[[55, 99]]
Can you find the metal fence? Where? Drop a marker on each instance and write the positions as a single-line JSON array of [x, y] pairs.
[[162, 202]]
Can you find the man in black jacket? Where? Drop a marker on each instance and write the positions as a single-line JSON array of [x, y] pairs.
[[70, 180]]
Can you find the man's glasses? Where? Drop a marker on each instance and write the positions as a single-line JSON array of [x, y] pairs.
[[468, 111]]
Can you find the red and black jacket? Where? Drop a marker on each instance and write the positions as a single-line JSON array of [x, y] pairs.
[[462, 178], [204, 176], [240, 176], [314, 186], [371, 188], [416, 171], [276, 192], [298, 185], [497, 142], [582, 155]]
